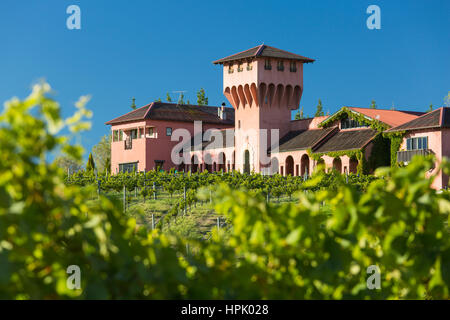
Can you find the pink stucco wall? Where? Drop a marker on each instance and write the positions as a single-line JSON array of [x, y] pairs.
[[146, 150], [438, 143], [262, 99]]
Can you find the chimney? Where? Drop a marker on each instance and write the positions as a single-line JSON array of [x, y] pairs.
[[221, 112]]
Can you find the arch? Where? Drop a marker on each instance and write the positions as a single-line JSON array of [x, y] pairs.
[[248, 95], [289, 166], [221, 160], [229, 96], [279, 95], [353, 165], [242, 99], [287, 95], [181, 167], [207, 160], [270, 94], [233, 160], [337, 164], [304, 165], [274, 165], [262, 93], [254, 92], [235, 96], [194, 163], [296, 97], [246, 161], [321, 163]]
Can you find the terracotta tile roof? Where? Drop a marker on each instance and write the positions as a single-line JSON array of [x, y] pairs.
[[263, 51], [173, 112], [439, 118], [303, 139], [390, 117], [346, 140]]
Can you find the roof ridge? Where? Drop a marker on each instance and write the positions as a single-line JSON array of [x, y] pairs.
[[237, 53], [260, 50], [151, 105], [129, 112], [289, 52]]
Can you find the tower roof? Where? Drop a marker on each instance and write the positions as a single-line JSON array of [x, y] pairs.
[[263, 51]]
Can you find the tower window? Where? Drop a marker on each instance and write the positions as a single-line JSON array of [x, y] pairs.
[[249, 66], [240, 69], [230, 68], [280, 65], [239, 124], [267, 65], [168, 131], [293, 66]]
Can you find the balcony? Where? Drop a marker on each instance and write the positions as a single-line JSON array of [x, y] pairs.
[[406, 156]]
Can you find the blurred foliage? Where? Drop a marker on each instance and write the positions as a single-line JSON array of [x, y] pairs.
[[318, 248]]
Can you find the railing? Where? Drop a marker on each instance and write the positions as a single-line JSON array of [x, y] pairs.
[[406, 156]]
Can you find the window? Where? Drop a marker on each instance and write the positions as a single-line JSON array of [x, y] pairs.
[[115, 135], [280, 66], [128, 167], [133, 133], [168, 131], [230, 68], [267, 65], [239, 124], [249, 66], [240, 69], [120, 135], [293, 66], [348, 123], [141, 133], [151, 132], [419, 143]]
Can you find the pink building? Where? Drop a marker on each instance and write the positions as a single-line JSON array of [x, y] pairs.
[[263, 85], [428, 134], [141, 139]]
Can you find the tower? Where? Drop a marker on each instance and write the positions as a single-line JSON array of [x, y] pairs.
[[263, 84]]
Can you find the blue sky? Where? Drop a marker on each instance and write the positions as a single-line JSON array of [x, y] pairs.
[[147, 48]]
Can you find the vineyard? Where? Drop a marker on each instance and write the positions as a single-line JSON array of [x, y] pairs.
[[280, 238], [157, 197]]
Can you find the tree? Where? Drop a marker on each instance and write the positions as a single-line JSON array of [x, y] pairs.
[[430, 108], [90, 165], [168, 98], [159, 100], [108, 165], [102, 152], [181, 99], [373, 105], [319, 111], [68, 164], [299, 115], [202, 100], [133, 104], [447, 100]]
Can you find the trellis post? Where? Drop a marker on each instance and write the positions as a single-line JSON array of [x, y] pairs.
[[124, 198]]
